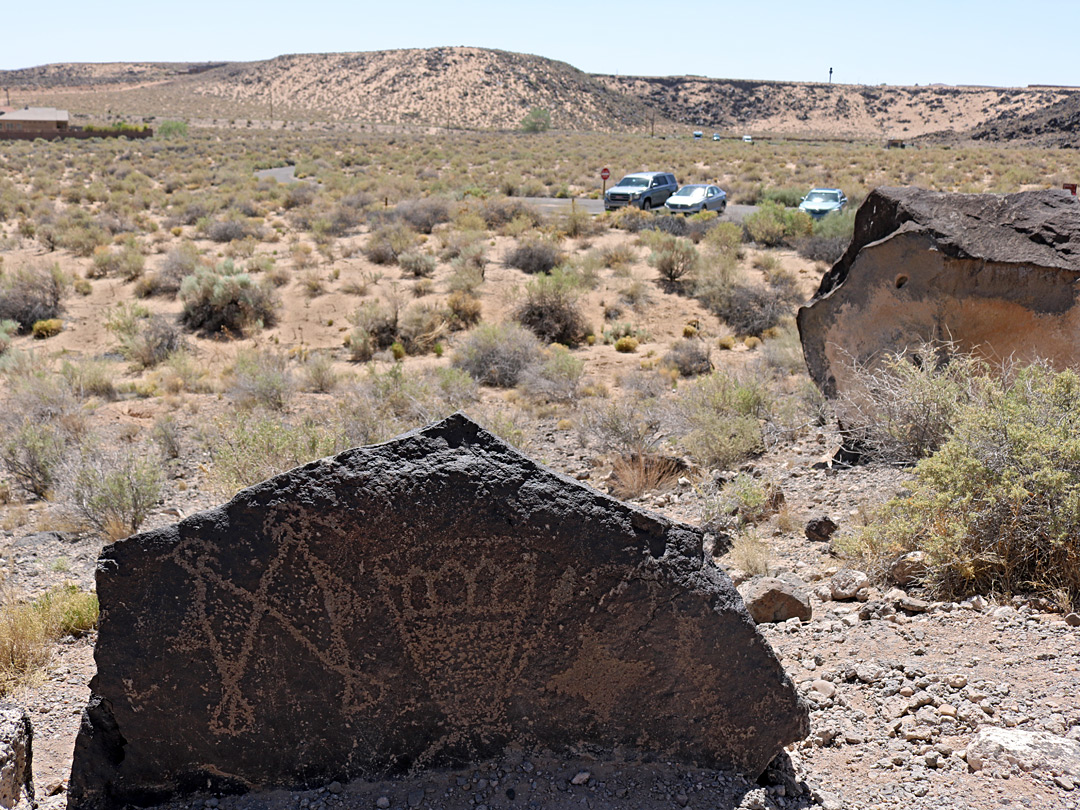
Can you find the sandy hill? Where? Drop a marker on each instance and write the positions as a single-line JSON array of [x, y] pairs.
[[476, 88]]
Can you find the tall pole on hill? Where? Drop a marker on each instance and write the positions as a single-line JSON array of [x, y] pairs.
[[830, 75]]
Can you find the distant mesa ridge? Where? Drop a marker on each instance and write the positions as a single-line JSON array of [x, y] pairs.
[[479, 88]]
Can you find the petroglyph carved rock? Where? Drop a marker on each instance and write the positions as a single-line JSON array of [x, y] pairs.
[[425, 602], [996, 273]]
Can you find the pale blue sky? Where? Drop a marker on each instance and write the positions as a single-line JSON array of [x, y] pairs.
[[871, 42]]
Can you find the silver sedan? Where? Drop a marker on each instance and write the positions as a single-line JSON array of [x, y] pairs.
[[695, 198]]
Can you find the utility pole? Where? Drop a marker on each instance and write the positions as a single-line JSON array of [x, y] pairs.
[[271, 88], [830, 75]]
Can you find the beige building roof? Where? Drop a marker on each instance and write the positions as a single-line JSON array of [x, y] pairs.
[[36, 114]]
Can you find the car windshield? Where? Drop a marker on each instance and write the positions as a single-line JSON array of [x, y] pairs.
[[822, 196], [692, 192], [635, 182]]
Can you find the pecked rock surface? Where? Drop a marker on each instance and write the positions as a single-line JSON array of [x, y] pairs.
[[996, 273], [422, 603]]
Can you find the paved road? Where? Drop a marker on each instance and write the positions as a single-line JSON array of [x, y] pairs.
[[551, 205]]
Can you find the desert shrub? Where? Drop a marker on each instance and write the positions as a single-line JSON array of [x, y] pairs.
[[468, 269], [152, 342], [465, 309], [617, 331], [902, 408], [537, 119], [47, 328], [227, 230], [627, 344], [787, 197], [31, 453], [423, 215], [7, 333], [128, 262], [556, 377], [262, 378], [550, 309], [89, 378], [771, 224], [172, 129], [616, 257], [718, 418], [501, 212], [387, 243], [420, 329], [419, 265], [224, 301], [674, 257], [830, 238], [30, 294], [534, 256], [690, 356], [378, 321], [497, 354], [627, 427], [725, 239], [319, 373], [166, 435], [360, 345], [114, 492], [747, 308], [997, 508], [783, 350], [741, 501], [179, 263], [29, 629], [750, 553]]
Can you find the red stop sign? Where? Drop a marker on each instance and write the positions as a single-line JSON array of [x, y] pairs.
[[604, 173]]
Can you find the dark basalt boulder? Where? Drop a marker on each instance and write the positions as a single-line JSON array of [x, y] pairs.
[[994, 273], [422, 603]]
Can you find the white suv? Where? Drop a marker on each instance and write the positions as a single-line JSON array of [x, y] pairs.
[[644, 190]]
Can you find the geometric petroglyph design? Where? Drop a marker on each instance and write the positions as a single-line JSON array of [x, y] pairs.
[[420, 603]]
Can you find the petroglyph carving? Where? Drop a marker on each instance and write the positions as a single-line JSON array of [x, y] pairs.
[[416, 604]]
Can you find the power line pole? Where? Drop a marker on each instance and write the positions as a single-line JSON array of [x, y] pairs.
[[830, 75]]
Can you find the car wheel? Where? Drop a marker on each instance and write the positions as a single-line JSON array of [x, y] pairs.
[[723, 206], [646, 204]]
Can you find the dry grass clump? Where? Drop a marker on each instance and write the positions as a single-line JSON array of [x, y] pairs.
[[388, 243], [689, 356], [534, 256], [262, 378], [29, 628], [556, 377], [550, 309]]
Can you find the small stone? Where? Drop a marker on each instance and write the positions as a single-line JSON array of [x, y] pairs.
[[382, 802], [1064, 782], [820, 529], [908, 568], [947, 710], [1073, 620], [580, 778], [931, 759], [416, 797], [913, 605], [823, 687], [847, 583], [957, 681], [682, 799], [335, 788]]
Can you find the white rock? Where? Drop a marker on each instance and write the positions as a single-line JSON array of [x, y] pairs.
[[847, 583], [15, 742], [1028, 750]]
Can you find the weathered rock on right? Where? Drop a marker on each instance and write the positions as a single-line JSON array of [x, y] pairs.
[[995, 273]]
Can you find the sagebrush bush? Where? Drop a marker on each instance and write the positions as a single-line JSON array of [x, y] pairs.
[[551, 310], [556, 377], [534, 256], [152, 342], [114, 492], [423, 215], [690, 356], [748, 309], [228, 230], [31, 293], [997, 508], [389, 242], [902, 407], [497, 354], [224, 301], [418, 265], [8, 329], [262, 378], [674, 257], [465, 309], [718, 417]]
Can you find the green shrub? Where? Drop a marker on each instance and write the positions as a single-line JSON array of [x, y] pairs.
[[419, 265], [550, 309], [7, 333], [555, 378], [997, 508], [31, 453], [262, 378], [115, 493], [497, 354], [224, 301], [31, 294], [771, 224], [534, 256], [787, 197], [423, 215], [626, 344], [674, 257], [47, 328], [537, 120], [172, 129], [718, 418], [389, 242], [742, 501]]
